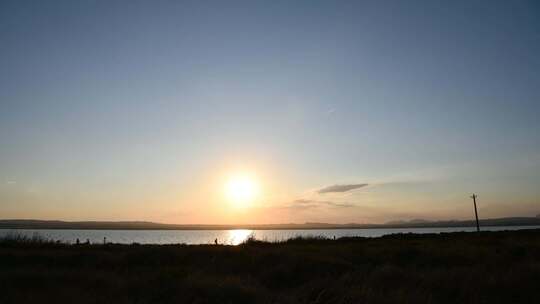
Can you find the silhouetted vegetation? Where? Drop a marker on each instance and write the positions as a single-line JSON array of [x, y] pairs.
[[486, 267]]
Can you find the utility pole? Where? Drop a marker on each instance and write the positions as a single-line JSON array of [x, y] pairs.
[[474, 196]]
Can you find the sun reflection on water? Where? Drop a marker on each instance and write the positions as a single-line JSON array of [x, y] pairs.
[[237, 236]]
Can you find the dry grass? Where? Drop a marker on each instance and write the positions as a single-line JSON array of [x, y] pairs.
[[490, 267]]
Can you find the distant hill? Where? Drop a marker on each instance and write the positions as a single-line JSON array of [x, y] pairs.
[[141, 225], [413, 222]]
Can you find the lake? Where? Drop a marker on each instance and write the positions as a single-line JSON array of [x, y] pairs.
[[229, 237]]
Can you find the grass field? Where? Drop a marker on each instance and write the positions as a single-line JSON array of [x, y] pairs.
[[486, 267]]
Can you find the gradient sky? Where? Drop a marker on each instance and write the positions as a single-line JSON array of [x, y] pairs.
[[141, 110]]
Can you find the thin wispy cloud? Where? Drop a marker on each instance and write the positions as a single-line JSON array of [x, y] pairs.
[[317, 203], [300, 207], [340, 188]]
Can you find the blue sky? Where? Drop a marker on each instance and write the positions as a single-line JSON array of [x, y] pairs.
[[139, 109]]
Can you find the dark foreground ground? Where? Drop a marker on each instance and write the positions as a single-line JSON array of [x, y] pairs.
[[490, 267]]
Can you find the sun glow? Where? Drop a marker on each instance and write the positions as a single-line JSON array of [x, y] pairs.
[[242, 190]]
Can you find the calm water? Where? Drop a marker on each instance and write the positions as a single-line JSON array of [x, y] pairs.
[[231, 237]]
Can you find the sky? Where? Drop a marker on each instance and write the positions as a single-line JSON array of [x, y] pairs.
[[338, 111]]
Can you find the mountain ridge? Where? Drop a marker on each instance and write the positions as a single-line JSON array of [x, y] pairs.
[[147, 225]]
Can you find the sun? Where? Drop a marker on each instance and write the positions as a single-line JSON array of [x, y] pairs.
[[242, 190]]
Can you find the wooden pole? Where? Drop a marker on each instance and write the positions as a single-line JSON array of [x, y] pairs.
[[474, 196]]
